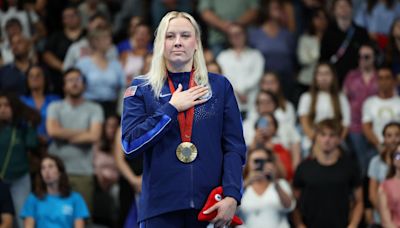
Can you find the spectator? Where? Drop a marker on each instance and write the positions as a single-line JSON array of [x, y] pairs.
[[266, 102], [107, 176], [342, 39], [309, 46], [13, 75], [82, 47], [13, 27], [31, 25], [128, 10], [57, 46], [158, 8], [277, 45], [89, 8], [267, 198], [105, 77], [133, 60], [130, 182], [214, 67], [328, 183], [380, 109], [376, 16], [265, 130], [39, 98], [323, 101], [306, 10], [360, 84], [17, 139], [208, 56], [6, 206], [52, 203], [380, 163], [285, 114], [75, 125], [243, 66], [129, 43], [388, 194], [219, 16], [392, 52]]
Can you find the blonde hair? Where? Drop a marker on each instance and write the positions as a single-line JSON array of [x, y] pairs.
[[157, 73]]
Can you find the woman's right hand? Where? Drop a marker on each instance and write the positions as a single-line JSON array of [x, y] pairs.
[[183, 100]]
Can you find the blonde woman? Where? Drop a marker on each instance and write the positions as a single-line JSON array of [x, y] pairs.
[[186, 123]]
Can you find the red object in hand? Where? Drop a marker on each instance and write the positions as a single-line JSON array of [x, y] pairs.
[[215, 196]]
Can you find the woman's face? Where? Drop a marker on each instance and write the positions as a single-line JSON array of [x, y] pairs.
[[320, 21], [180, 42], [49, 171], [270, 83], [142, 36], [275, 11], [265, 104], [111, 127], [237, 37], [35, 78], [324, 77], [5, 110], [103, 42], [391, 138]]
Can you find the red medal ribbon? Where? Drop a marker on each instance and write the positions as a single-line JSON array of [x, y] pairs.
[[185, 123]]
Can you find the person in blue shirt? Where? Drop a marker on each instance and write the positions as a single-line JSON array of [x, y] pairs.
[[52, 203], [39, 98], [186, 123]]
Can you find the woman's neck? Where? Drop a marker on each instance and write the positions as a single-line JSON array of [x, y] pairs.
[[343, 24], [100, 55], [37, 93], [176, 68], [52, 189], [238, 50]]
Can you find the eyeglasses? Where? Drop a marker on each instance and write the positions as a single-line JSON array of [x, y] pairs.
[[365, 57]]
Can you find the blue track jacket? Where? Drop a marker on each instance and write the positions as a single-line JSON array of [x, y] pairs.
[[150, 126]]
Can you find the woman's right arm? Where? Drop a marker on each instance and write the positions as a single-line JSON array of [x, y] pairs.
[[373, 192], [123, 166], [141, 130], [29, 223]]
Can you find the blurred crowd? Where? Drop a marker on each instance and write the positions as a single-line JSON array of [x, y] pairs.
[[316, 81]]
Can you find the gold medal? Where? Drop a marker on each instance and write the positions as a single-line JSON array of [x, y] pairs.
[[186, 152]]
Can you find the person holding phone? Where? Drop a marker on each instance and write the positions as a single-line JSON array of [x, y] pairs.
[[265, 131], [268, 197]]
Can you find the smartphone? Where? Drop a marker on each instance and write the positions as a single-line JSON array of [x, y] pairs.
[[259, 164], [262, 123]]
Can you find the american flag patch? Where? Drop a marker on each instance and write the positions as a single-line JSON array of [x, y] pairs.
[[130, 91]]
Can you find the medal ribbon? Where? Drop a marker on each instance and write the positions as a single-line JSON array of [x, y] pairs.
[[185, 122]]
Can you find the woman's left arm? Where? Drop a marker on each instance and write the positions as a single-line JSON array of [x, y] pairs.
[[285, 196]]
